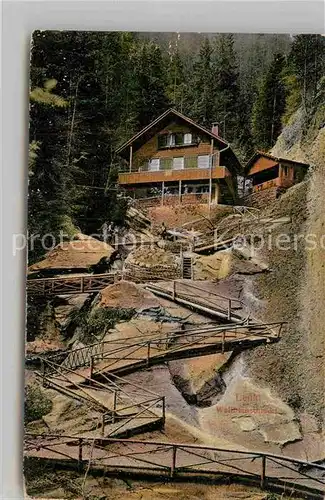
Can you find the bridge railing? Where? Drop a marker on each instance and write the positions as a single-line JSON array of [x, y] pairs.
[[144, 348], [70, 284], [125, 404], [175, 459], [228, 305]]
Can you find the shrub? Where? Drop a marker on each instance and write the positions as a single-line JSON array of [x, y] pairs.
[[37, 404]]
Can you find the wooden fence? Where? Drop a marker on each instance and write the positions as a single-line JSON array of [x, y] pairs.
[[175, 460]]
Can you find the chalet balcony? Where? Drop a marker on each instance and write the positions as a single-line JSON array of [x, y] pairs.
[[188, 168], [186, 174]]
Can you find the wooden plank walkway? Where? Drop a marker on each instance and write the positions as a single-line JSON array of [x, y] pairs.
[[120, 357], [123, 408], [175, 460], [204, 301]]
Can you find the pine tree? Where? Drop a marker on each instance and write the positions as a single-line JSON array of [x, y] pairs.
[[202, 89], [226, 106], [307, 60], [269, 106], [176, 89], [150, 74]]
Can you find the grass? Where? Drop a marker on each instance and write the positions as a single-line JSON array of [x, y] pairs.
[[95, 324]]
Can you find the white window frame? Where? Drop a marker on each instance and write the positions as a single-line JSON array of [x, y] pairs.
[[154, 165], [206, 160], [182, 163], [171, 140], [188, 138]]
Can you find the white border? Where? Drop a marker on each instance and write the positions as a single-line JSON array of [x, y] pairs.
[[19, 19]]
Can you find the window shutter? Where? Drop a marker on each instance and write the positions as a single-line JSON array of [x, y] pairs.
[[203, 161], [178, 163], [166, 163], [190, 161], [162, 141], [187, 138]]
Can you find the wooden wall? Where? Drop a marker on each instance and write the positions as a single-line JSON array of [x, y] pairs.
[[150, 148]]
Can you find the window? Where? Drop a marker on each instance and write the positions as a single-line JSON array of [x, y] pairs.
[[154, 164], [285, 171], [187, 138], [162, 141], [203, 161], [166, 163], [179, 139], [202, 189], [178, 163], [171, 140]]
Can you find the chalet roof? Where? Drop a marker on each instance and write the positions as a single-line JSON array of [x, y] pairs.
[[260, 154], [161, 118], [157, 124]]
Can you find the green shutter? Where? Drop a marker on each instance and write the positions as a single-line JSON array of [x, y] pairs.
[[179, 139], [190, 162], [166, 163], [162, 141]]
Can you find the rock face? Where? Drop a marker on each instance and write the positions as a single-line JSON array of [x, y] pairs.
[[198, 379], [81, 253], [295, 290], [127, 295], [252, 416], [151, 257]]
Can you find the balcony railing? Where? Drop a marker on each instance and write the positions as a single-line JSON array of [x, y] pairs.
[[277, 182], [166, 164]]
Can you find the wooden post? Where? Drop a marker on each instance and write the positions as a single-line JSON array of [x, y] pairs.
[[91, 368], [80, 454], [180, 191], [44, 287], [173, 467], [223, 341], [210, 174], [162, 192], [82, 285], [163, 409], [229, 310], [148, 354], [103, 424], [131, 158], [263, 472], [174, 289], [114, 406]]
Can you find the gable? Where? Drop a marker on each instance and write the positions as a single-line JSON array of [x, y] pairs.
[[262, 163]]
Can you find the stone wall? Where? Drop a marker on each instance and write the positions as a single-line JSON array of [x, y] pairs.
[[262, 198]]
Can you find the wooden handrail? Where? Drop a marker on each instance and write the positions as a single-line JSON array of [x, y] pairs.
[[168, 444]]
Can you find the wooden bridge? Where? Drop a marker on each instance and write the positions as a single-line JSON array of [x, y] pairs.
[[122, 356], [175, 461], [70, 284], [202, 300], [121, 408], [94, 283]]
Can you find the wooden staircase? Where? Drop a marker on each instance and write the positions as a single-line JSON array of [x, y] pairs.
[[187, 268]]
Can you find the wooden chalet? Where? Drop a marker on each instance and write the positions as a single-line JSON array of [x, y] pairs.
[[266, 171], [175, 160]]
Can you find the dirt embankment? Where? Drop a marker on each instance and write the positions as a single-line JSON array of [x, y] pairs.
[[295, 291]]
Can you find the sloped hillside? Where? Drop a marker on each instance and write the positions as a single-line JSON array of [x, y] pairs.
[[295, 290]]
